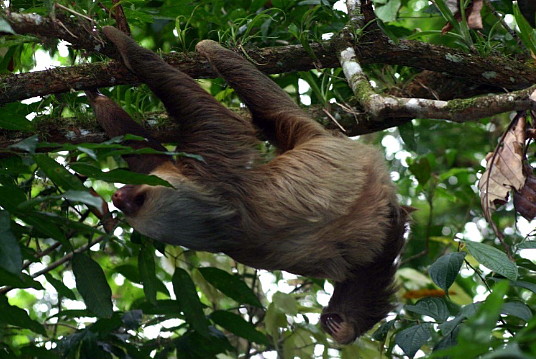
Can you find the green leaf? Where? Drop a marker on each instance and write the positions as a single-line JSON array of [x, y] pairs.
[[475, 336], [186, 294], [407, 132], [118, 175], [27, 145], [192, 345], [527, 285], [57, 173], [132, 319], [381, 333], [11, 197], [286, 302], [14, 117], [237, 325], [421, 169], [45, 224], [146, 267], [445, 269], [16, 316], [5, 27], [493, 259], [83, 196], [10, 255], [527, 245], [432, 307], [388, 11], [517, 309], [526, 32], [61, 288], [92, 285], [275, 319], [413, 338], [230, 285], [18, 281]]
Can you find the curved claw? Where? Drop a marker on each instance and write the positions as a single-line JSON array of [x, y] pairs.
[[342, 331]]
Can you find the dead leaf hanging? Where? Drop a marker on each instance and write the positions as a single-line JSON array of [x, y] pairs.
[[504, 170]]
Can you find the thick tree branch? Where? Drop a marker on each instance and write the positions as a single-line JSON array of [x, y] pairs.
[[384, 106], [164, 129], [498, 72], [459, 110]]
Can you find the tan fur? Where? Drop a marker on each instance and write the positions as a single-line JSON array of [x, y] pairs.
[[325, 207]]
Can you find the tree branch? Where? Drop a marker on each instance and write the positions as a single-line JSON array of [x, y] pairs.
[[59, 262], [164, 129], [385, 106], [498, 72]]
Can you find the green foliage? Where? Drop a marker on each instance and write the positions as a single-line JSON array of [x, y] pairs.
[[124, 296]]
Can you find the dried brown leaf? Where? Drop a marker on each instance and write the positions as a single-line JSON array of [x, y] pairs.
[[504, 170], [472, 12]]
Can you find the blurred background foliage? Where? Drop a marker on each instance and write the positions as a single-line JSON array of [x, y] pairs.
[[121, 295]]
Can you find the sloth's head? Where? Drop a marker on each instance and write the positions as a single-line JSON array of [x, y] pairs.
[[185, 214]]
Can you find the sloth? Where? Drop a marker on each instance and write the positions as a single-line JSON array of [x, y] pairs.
[[324, 207]]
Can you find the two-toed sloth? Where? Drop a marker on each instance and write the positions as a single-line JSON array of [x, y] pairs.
[[324, 207]]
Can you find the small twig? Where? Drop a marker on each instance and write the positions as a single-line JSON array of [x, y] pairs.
[[333, 119], [59, 6], [59, 262]]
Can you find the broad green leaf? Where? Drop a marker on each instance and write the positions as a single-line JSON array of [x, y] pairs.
[[526, 32], [132, 319], [517, 309], [45, 225], [84, 197], [11, 197], [189, 302], [509, 351], [61, 288], [475, 337], [299, 345], [162, 307], [407, 132], [118, 175], [237, 325], [105, 326], [192, 345], [5, 27], [75, 196], [146, 267], [493, 259], [448, 340], [381, 333], [10, 255], [527, 285], [432, 307], [16, 316], [230, 285], [92, 285], [445, 269], [27, 145], [13, 116], [421, 169], [413, 338], [388, 11], [21, 280], [57, 173], [275, 319], [286, 302], [527, 245]]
